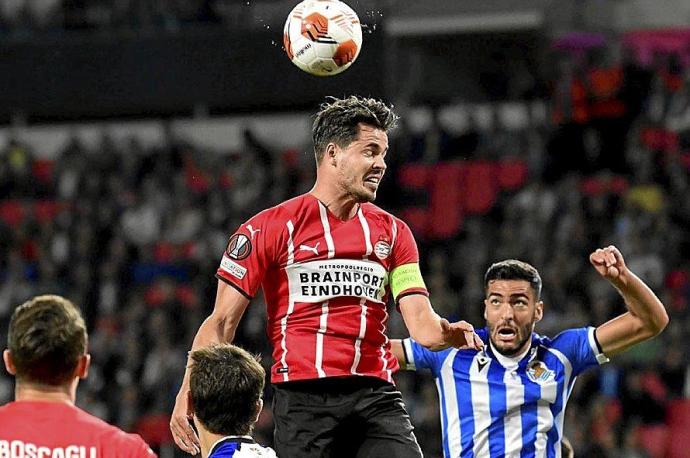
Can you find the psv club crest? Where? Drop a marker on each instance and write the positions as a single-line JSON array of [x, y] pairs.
[[239, 247], [538, 372]]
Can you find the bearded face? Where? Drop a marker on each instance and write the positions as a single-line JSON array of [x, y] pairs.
[[511, 311]]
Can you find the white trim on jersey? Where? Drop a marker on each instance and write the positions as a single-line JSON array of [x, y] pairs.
[[409, 355], [395, 233], [481, 408], [327, 230], [367, 232], [323, 319], [549, 392], [362, 303], [358, 341], [601, 357], [452, 422], [323, 326], [568, 372], [291, 302], [512, 421]]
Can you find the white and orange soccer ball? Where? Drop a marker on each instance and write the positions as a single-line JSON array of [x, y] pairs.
[[322, 37]]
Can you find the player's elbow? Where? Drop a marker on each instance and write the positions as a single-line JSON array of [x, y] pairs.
[[222, 326], [653, 326]]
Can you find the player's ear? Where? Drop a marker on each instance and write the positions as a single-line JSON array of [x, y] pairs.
[[83, 366], [486, 304], [331, 153], [9, 364], [539, 311]]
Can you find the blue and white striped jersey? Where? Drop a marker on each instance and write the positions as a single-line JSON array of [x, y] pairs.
[[490, 411], [239, 447]]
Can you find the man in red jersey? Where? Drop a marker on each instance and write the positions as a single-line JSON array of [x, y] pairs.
[[46, 352], [328, 262]]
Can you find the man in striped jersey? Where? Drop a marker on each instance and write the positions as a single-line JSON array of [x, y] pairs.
[[328, 261], [508, 399]]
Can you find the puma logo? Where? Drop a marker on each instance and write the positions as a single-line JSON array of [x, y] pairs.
[[252, 231], [314, 249]]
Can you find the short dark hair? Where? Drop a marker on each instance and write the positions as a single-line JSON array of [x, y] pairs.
[[512, 269], [337, 121], [46, 339], [226, 383]]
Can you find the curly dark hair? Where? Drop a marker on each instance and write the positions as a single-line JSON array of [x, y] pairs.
[[512, 269], [337, 121]]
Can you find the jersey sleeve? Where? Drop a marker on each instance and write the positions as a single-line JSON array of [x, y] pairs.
[[419, 357], [405, 275], [248, 255], [581, 348]]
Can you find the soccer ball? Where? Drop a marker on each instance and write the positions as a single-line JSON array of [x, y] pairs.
[[322, 37]]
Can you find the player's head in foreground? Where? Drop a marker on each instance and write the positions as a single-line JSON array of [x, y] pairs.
[[350, 138], [512, 305], [226, 387], [46, 349]]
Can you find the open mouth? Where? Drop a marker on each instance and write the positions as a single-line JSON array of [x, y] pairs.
[[506, 333], [373, 180]]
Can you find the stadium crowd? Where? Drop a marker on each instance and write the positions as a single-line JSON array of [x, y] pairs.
[[134, 236]]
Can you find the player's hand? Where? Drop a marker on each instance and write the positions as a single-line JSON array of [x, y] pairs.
[[183, 433], [609, 263], [461, 335]]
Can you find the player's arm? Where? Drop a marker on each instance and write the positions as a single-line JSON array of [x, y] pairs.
[[646, 316], [428, 329], [218, 327]]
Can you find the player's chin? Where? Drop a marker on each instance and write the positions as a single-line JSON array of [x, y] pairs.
[[366, 194]]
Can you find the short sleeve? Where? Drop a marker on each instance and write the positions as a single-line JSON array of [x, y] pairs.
[[248, 255], [404, 247], [405, 277], [419, 357], [580, 347]]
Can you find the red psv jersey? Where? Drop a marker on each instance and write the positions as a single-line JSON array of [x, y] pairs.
[[325, 282], [40, 429]]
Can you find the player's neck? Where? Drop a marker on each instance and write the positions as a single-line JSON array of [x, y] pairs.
[[208, 440], [47, 393], [338, 203]]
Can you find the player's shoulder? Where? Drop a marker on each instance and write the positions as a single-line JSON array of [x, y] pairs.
[[566, 338], [373, 211], [288, 209]]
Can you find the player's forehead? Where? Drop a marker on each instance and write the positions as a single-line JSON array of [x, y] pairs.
[[507, 288], [368, 134]]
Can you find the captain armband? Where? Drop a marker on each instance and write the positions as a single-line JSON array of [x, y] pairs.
[[406, 277]]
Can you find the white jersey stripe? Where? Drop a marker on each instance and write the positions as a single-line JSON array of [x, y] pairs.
[[512, 422], [323, 326], [409, 355], [450, 398], [358, 341], [323, 320], [291, 303], [367, 233], [568, 369], [481, 407], [327, 230], [362, 303]]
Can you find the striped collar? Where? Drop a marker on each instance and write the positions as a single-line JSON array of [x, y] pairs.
[[228, 444]]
